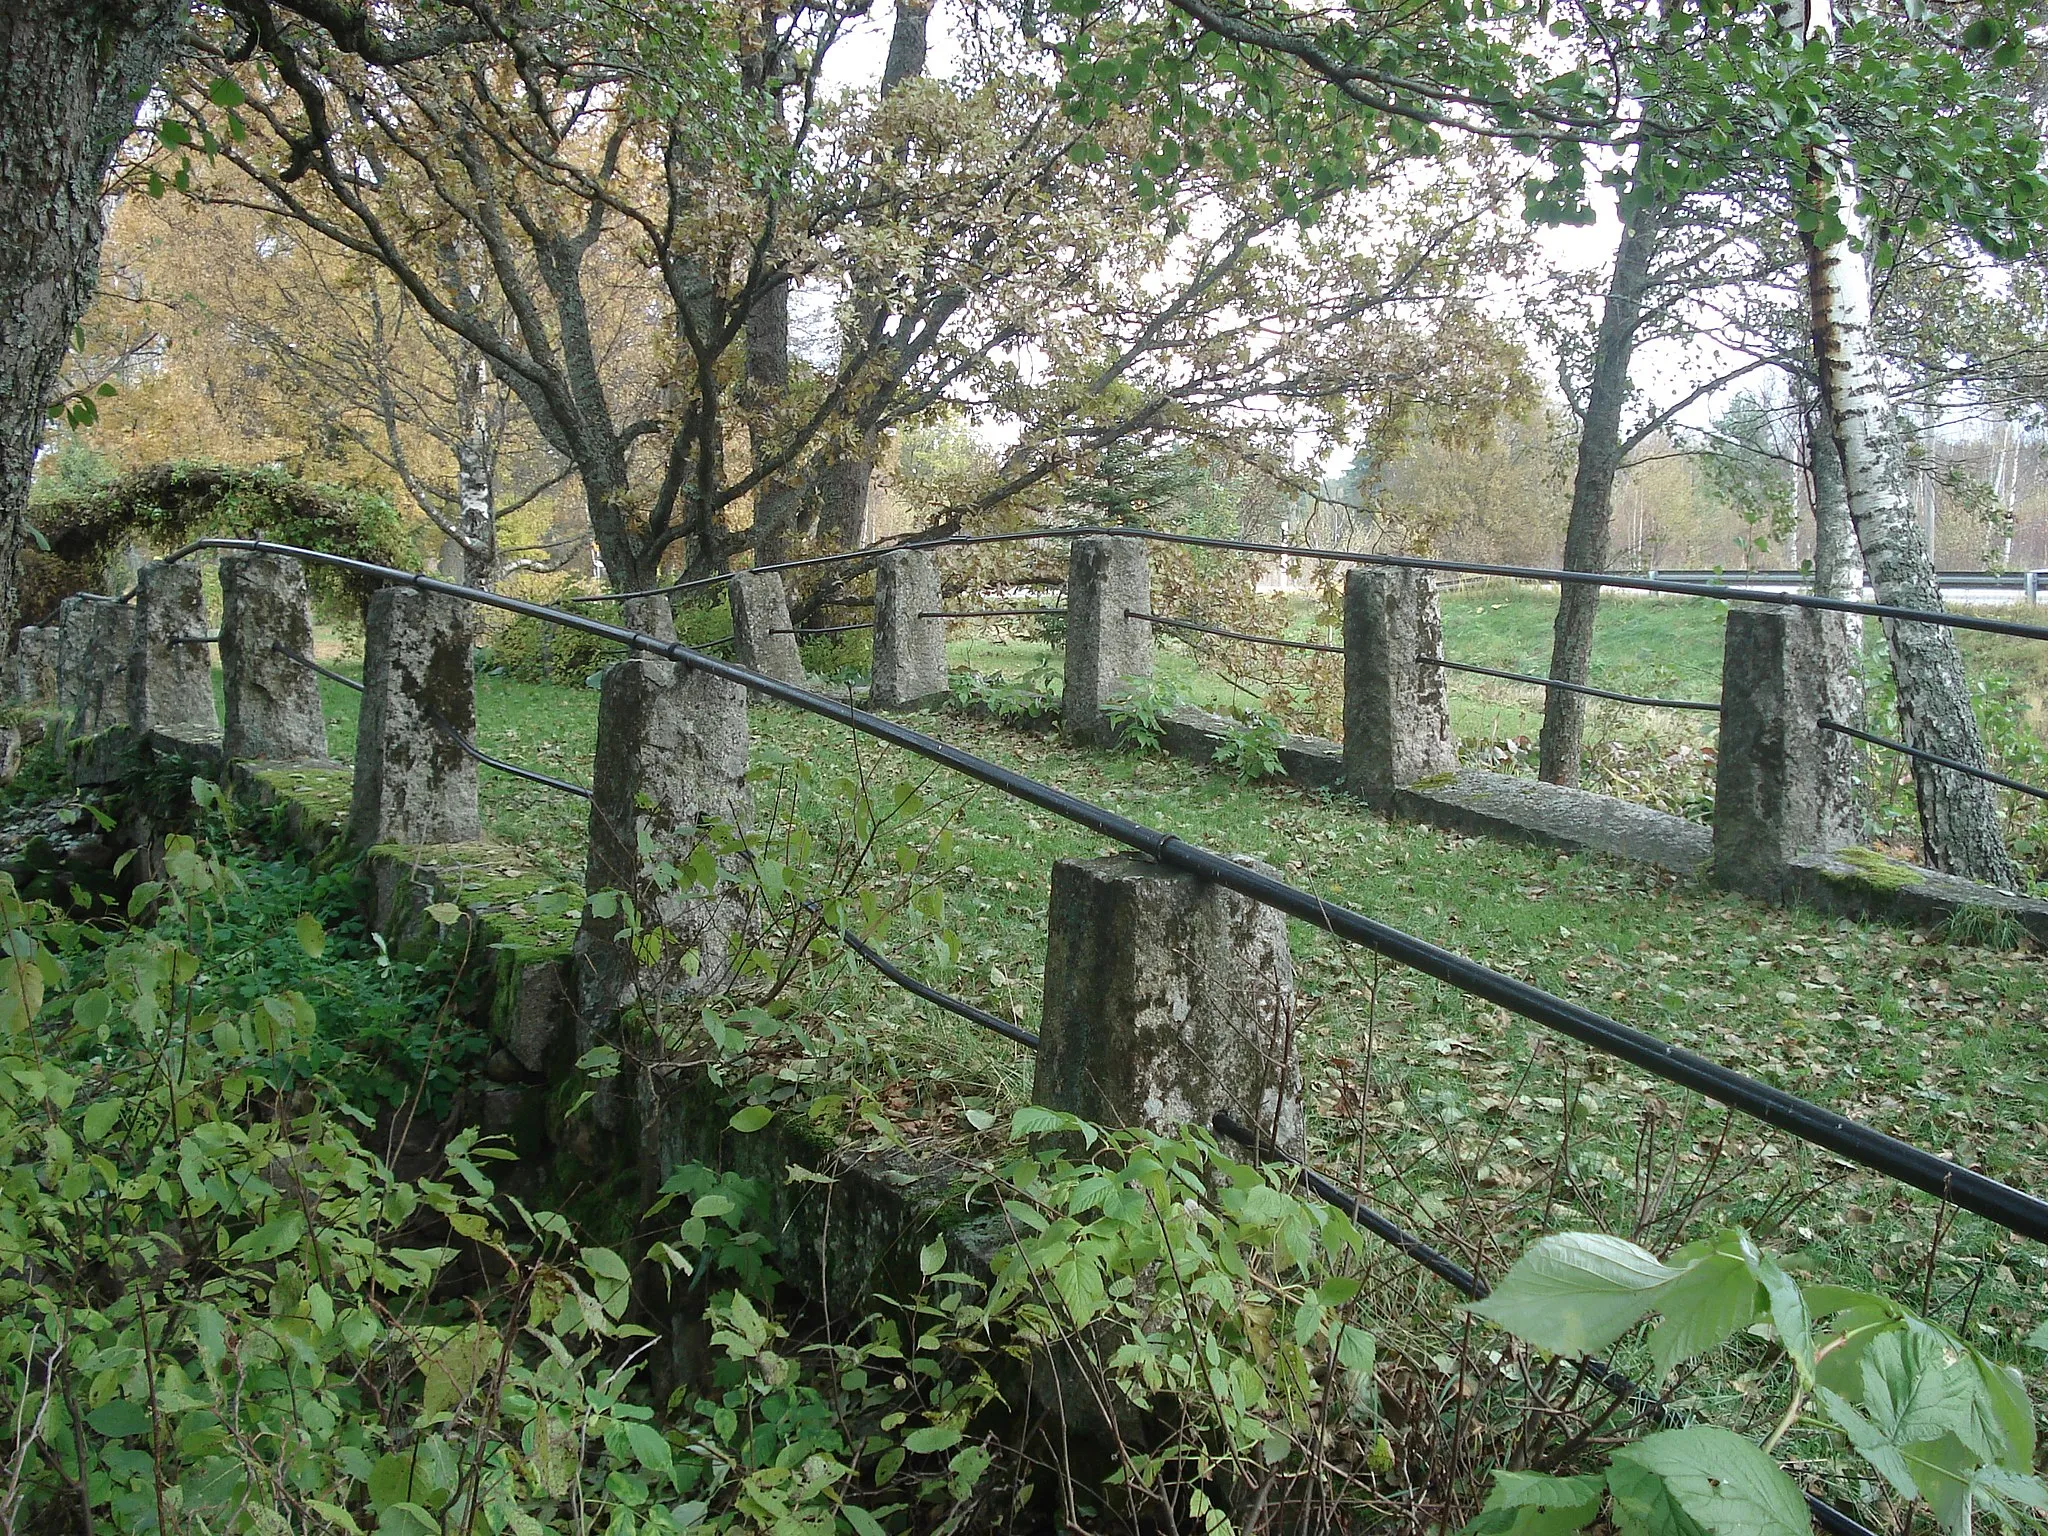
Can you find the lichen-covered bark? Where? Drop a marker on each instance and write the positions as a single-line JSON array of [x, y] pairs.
[[1958, 814], [72, 74], [1592, 511]]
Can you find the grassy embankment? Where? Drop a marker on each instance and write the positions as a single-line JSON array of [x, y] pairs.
[[1461, 1119]]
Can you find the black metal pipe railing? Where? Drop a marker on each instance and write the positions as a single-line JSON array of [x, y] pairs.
[[995, 613], [476, 754], [2013, 1209], [824, 629], [1235, 634], [313, 666], [1719, 591], [462, 743], [1558, 682], [953, 1005], [1959, 766]]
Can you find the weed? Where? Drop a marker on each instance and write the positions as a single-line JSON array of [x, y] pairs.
[[1250, 749]]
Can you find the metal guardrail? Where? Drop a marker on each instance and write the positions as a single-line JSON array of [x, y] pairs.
[[2012, 1209], [1235, 634], [1620, 581], [1975, 771], [1556, 682], [462, 743]]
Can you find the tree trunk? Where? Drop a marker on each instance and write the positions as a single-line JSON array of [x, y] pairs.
[[845, 485], [71, 77], [476, 501], [1592, 511], [776, 502], [1837, 572], [1958, 814], [843, 491]]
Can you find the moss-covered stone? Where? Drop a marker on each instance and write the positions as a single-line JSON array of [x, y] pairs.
[[1871, 868]]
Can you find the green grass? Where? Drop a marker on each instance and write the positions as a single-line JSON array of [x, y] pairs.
[[1449, 1112]]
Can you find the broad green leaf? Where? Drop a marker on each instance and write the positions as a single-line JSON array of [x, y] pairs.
[[312, 937], [650, 1449], [1702, 1478], [451, 1371], [553, 1460], [752, 1118], [421, 1475], [119, 1418], [934, 1437], [1530, 1504], [1574, 1293], [1915, 1389], [1703, 1307], [1787, 1305], [932, 1257]]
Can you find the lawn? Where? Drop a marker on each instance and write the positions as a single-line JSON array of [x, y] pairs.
[[1460, 1119]]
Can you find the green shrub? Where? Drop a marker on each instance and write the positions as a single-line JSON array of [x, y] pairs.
[[530, 651], [1251, 748]]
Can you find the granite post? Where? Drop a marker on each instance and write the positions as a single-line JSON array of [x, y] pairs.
[[1397, 718], [1779, 790], [413, 784], [1167, 1000], [35, 665], [671, 766], [170, 673], [98, 639], [910, 649], [761, 631], [273, 712], [1109, 578]]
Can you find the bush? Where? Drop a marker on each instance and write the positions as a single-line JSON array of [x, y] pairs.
[[530, 651]]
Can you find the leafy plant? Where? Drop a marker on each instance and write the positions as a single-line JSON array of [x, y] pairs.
[[220, 1312], [1940, 1422], [1138, 710], [1251, 748], [1026, 700]]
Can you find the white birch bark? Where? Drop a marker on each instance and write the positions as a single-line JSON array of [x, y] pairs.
[[1958, 814]]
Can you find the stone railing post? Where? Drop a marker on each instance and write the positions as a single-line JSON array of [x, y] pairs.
[[97, 639], [910, 649], [1167, 1000], [1397, 719], [273, 712], [412, 783], [1781, 787], [671, 757], [761, 632], [1109, 578], [35, 665], [170, 675]]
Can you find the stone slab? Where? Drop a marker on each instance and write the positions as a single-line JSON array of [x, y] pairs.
[[1167, 1000], [1857, 882], [35, 665], [1484, 804], [1309, 761], [1106, 651], [413, 784]]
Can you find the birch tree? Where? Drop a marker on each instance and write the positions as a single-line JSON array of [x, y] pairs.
[[1958, 813]]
